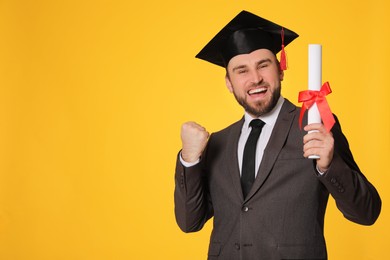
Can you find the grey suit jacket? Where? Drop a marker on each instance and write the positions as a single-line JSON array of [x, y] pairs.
[[283, 215]]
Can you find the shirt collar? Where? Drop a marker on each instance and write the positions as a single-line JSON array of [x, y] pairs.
[[269, 118]]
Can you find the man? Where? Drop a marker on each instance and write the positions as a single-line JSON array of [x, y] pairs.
[[267, 199]]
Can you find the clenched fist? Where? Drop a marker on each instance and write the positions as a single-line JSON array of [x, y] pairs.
[[194, 138]]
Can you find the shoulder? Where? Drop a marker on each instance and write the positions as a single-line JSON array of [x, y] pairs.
[[234, 127], [226, 136]]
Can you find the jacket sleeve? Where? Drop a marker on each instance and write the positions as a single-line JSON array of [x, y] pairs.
[[193, 205], [355, 196]]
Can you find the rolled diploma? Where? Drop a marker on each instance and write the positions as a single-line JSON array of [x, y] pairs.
[[315, 82]]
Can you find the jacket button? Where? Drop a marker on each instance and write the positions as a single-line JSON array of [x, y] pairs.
[[237, 246], [245, 209]]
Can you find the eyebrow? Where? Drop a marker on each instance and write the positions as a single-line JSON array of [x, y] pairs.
[[239, 67], [263, 61], [257, 64]]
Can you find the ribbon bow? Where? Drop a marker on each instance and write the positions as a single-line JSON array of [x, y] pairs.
[[309, 97]]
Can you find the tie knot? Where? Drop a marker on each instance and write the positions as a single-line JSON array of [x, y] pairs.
[[256, 123]]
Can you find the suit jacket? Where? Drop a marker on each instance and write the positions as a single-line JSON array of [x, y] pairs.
[[282, 217]]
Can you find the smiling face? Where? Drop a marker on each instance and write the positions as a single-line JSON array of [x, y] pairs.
[[254, 79]]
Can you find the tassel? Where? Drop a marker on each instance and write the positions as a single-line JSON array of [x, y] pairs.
[[283, 57]]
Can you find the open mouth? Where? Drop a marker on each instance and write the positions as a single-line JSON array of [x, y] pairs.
[[257, 91]]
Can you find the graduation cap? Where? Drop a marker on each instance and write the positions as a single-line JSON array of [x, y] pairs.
[[247, 32]]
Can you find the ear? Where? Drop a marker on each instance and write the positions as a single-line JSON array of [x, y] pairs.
[[229, 84], [281, 75]]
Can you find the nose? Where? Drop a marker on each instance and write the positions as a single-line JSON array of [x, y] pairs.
[[256, 77]]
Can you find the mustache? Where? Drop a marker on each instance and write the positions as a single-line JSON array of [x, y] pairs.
[[260, 84]]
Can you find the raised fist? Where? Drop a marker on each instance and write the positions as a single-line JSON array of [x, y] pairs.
[[194, 138]]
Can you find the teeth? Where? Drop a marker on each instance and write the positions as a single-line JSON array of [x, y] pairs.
[[257, 90]]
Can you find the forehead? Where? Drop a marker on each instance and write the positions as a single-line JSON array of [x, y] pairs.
[[251, 58]]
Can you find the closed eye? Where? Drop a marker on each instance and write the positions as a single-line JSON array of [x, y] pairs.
[[263, 66], [240, 69], [263, 63]]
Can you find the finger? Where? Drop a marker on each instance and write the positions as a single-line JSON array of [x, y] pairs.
[[192, 126], [316, 126], [189, 125], [308, 153], [313, 151], [313, 144], [314, 136]]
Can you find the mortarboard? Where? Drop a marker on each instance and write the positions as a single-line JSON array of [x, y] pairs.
[[247, 32]]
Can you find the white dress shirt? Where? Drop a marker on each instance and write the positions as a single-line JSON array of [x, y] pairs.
[[269, 119]]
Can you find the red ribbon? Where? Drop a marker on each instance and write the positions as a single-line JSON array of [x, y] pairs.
[[309, 97]]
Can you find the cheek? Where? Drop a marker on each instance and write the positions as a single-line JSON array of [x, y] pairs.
[[273, 77], [238, 88], [240, 83]]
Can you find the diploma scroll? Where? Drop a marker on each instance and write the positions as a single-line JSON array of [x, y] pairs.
[[315, 83]]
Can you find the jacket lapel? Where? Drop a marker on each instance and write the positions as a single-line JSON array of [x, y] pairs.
[[275, 145], [232, 158]]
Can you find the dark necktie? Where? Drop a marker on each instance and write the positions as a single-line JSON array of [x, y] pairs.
[[249, 156]]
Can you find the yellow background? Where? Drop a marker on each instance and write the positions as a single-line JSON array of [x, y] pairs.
[[92, 96]]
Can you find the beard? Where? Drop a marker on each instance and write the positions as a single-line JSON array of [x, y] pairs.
[[260, 108]]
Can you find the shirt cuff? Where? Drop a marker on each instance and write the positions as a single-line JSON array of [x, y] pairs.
[[188, 164], [319, 172]]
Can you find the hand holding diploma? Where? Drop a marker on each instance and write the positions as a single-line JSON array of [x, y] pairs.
[[320, 142], [315, 102]]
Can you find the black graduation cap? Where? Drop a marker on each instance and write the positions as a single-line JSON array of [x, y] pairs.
[[247, 32]]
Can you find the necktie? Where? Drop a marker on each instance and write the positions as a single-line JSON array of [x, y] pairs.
[[248, 159]]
